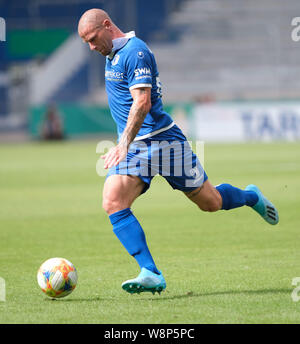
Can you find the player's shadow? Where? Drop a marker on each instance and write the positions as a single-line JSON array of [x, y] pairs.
[[164, 296], [225, 292]]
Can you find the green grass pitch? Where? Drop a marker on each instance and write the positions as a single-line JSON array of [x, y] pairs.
[[225, 267]]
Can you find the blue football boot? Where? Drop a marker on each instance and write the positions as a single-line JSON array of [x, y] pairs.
[[263, 206], [146, 281]]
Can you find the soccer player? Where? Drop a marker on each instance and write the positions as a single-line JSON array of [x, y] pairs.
[[144, 131]]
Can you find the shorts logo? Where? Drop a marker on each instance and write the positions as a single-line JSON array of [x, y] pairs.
[[195, 173], [140, 55], [115, 60]]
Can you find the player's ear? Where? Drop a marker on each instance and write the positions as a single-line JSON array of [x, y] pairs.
[[106, 23]]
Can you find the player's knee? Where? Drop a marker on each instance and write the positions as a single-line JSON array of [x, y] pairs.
[[211, 205], [111, 205], [207, 207]]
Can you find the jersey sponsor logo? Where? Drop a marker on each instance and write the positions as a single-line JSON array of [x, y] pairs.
[[142, 71], [112, 75]]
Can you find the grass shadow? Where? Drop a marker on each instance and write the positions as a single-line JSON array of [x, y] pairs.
[[227, 292]]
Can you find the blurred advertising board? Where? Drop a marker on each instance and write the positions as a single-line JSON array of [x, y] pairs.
[[247, 121], [76, 119]]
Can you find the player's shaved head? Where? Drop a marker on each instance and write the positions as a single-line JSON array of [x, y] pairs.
[[92, 19], [97, 29]]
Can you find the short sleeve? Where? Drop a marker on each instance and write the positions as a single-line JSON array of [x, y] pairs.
[[139, 69]]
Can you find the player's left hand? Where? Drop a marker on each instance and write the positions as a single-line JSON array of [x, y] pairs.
[[114, 156]]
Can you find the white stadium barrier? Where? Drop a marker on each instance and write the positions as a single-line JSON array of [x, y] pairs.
[[244, 122]]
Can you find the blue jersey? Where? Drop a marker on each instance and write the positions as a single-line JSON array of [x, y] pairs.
[[134, 66]]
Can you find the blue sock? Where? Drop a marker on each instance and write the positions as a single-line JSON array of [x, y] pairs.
[[233, 197], [131, 234]]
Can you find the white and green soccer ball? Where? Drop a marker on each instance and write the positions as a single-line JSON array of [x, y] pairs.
[[57, 277]]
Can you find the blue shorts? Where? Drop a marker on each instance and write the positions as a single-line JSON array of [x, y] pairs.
[[167, 154]]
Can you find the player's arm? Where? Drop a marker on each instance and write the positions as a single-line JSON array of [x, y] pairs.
[[140, 107]]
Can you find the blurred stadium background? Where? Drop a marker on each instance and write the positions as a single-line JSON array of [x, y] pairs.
[[229, 69]]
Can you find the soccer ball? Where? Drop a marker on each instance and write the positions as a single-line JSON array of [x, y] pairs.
[[57, 277]]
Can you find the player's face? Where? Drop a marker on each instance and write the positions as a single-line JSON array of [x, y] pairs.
[[99, 39]]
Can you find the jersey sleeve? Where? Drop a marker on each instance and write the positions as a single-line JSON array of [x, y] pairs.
[[139, 69]]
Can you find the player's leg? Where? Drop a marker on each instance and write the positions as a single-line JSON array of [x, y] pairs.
[[119, 193], [223, 196], [206, 197], [226, 197], [194, 183]]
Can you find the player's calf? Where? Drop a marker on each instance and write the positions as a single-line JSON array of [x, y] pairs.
[[206, 197]]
